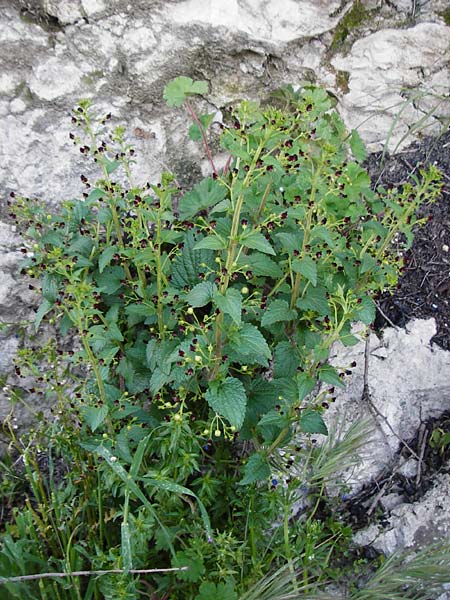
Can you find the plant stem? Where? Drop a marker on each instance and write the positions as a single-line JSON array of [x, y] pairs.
[[307, 230], [203, 134]]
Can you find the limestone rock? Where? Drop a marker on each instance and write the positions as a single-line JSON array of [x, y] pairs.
[[393, 78], [413, 525], [408, 384]]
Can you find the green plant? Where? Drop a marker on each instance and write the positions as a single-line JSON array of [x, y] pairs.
[[439, 440], [204, 323]]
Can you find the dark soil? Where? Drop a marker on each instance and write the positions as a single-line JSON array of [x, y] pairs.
[[424, 288]]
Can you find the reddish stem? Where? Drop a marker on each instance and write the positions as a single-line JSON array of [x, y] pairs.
[[203, 133]]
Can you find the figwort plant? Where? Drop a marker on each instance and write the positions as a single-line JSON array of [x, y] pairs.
[[204, 322]]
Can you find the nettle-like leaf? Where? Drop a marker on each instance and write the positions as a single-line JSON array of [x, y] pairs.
[[256, 469], [307, 267], [190, 262], [194, 563], [257, 241], [286, 360], [248, 345], [311, 422], [277, 311], [229, 303], [357, 146], [201, 294], [228, 399], [204, 195], [177, 90]]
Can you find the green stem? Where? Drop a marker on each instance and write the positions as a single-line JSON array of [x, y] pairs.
[[307, 230], [287, 547]]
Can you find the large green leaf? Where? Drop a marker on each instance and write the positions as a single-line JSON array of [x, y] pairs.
[[366, 311], [94, 416], [306, 267], [305, 385], [201, 294], [256, 469], [357, 145], [204, 195], [195, 133], [257, 241], [220, 591], [249, 345], [189, 263], [277, 311], [311, 422], [230, 303], [260, 264], [286, 360], [228, 399], [211, 242]]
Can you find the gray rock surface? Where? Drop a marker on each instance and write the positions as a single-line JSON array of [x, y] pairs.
[[408, 383], [413, 525]]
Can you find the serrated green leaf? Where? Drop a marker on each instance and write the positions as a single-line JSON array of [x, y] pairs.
[[189, 263], [177, 90], [204, 195], [256, 469], [260, 265], [314, 298], [110, 280], [211, 242], [307, 267], [257, 241], [366, 311], [230, 303], [94, 416], [249, 345], [328, 374], [290, 241], [357, 146], [277, 311], [195, 567], [201, 294], [312, 422], [285, 360], [228, 399], [305, 385], [95, 194], [158, 380], [105, 257]]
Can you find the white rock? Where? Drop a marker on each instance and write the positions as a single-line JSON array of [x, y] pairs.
[[55, 78], [381, 67], [408, 385], [17, 105], [9, 349], [269, 21], [413, 525], [66, 11], [92, 7]]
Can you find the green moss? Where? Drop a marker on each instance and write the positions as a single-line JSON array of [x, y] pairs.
[[445, 14], [350, 21]]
